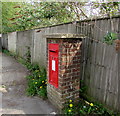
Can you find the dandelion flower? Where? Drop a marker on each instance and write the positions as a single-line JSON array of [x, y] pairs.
[[71, 105], [40, 87], [42, 81], [70, 100], [35, 82], [69, 110], [91, 104]]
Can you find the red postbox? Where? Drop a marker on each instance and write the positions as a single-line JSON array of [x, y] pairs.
[[53, 64]]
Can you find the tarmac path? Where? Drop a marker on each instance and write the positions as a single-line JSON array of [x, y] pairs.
[[13, 99]]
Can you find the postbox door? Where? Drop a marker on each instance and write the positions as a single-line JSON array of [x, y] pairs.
[[53, 64]]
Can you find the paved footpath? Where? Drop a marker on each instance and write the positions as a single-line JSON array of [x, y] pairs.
[[12, 90]]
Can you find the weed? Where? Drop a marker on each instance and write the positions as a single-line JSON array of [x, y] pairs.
[[37, 82], [9, 53], [110, 37], [28, 54], [84, 107]]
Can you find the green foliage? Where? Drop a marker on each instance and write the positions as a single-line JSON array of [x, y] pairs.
[[8, 11], [110, 8], [41, 14], [5, 51], [37, 83], [110, 37], [8, 53], [17, 16], [85, 108], [107, 8], [82, 107], [83, 88], [28, 54]]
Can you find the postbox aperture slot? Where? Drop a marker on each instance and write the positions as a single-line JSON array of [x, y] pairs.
[[53, 50]]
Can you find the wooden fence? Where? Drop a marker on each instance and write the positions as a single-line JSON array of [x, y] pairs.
[[100, 62]]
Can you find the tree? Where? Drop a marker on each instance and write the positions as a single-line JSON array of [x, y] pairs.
[[107, 8], [42, 14], [24, 16], [8, 12]]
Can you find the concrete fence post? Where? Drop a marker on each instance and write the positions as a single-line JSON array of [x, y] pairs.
[[0, 43], [12, 38]]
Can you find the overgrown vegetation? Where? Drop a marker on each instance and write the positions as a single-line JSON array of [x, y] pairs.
[[8, 11], [17, 16], [36, 81], [28, 54], [9, 53], [84, 107], [110, 37]]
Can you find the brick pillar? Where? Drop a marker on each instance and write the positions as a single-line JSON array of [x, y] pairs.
[[68, 69]]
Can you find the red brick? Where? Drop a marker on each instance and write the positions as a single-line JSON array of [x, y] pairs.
[[69, 69], [63, 63]]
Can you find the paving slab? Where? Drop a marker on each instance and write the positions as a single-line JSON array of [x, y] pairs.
[[12, 90]]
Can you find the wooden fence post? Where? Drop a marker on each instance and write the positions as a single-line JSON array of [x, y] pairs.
[[119, 80]]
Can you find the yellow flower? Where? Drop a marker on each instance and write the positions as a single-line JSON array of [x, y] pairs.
[[46, 83], [69, 110], [40, 87], [33, 79], [42, 81], [71, 105], [70, 100], [91, 104], [39, 76], [35, 82]]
